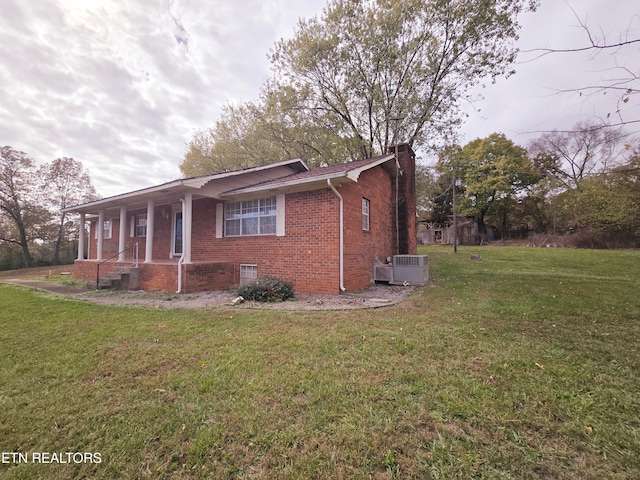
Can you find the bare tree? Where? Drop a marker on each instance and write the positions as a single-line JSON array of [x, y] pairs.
[[571, 156], [623, 82]]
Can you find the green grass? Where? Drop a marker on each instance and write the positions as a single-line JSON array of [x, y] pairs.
[[522, 365]]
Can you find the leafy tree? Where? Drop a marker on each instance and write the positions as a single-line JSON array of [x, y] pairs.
[[366, 62], [10, 256], [234, 142], [343, 78], [493, 172], [65, 183], [25, 217], [607, 203]]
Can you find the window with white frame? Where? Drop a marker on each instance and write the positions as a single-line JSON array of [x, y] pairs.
[[250, 217], [140, 225], [365, 214], [248, 273], [106, 229]]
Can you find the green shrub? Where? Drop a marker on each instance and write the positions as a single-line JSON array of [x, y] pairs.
[[267, 289]]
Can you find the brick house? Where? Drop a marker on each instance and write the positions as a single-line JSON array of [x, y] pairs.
[[321, 229]]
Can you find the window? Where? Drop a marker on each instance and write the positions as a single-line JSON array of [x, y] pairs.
[[106, 229], [140, 226], [365, 214], [248, 273], [251, 217], [177, 233]]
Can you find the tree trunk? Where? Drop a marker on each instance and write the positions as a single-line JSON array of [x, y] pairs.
[[56, 250], [24, 245]]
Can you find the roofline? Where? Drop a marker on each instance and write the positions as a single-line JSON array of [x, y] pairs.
[[282, 184], [288, 183], [190, 182]]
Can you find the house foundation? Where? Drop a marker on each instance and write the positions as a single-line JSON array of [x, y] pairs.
[[161, 276]]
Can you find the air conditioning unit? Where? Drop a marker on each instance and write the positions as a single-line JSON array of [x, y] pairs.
[[410, 269], [383, 273]]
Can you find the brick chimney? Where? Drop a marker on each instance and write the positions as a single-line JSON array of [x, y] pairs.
[[405, 242]]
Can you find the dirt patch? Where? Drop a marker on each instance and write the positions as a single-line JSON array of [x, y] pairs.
[[376, 296]]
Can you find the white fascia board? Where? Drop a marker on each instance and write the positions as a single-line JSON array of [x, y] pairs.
[[355, 173], [126, 196]]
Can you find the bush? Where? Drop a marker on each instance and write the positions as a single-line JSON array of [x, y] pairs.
[[267, 289]]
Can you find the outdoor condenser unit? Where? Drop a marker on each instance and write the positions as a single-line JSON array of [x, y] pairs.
[[383, 273], [410, 269]]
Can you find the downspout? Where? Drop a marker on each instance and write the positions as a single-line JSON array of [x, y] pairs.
[[181, 261], [342, 289], [398, 173]]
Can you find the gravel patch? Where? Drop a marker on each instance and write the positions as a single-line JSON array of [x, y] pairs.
[[376, 296]]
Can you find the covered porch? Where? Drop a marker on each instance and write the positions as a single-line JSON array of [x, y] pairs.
[[152, 231], [143, 242]]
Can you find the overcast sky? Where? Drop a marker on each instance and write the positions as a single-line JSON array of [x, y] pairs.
[[121, 85]]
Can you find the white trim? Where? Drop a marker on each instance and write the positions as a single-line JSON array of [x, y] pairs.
[[174, 218], [81, 237], [148, 252], [355, 173], [122, 233], [187, 220], [280, 215], [100, 235], [366, 203], [219, 219]]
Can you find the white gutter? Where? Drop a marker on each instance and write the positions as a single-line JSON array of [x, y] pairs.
[[181, 261], [342, 289]]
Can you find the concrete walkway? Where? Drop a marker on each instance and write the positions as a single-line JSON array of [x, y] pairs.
[[46, 286]]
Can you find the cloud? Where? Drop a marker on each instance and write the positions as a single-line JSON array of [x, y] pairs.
[[121, 86], [548, 92]]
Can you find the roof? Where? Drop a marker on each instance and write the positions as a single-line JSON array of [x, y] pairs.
[[286, 177], [174, 190], [318, 177]]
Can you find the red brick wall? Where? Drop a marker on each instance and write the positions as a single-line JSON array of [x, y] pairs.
[[196, 277], [159, 276], [85, 270], [209, 276], [362, 248], [307, 256]]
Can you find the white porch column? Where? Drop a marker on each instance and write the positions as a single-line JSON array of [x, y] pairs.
[[81, 238], [100, 229], [123, 230], [186, 225], [148, 252]]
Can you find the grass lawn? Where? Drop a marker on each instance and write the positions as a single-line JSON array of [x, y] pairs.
[[522, 365]]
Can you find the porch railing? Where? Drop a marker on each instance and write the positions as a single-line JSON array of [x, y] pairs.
[[129, 260]]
